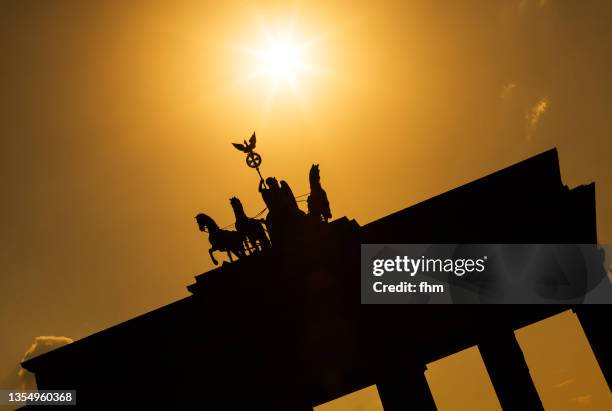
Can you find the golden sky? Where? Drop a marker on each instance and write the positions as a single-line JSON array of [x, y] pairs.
[[117, 119]]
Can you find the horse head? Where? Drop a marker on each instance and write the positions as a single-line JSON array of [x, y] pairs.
[[205, 222], [314, 175], [235, 202], [237, 206]]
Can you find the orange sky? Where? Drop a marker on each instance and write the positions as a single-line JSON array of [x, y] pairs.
[[117, 117]]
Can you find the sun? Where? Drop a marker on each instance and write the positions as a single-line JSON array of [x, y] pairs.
[[281, 60]]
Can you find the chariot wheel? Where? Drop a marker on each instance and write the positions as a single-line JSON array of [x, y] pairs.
[[253, 160]]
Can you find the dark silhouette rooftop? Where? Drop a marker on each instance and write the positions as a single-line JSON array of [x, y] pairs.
[[283, 329]]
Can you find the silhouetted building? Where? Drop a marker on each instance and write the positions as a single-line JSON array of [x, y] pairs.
[[286, 330]]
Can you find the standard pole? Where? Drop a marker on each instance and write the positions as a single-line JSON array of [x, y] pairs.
[[259, 172]]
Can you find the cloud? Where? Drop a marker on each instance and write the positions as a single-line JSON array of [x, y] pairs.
[[537, 110], [533, 116], [524, 4], [583, 400], [565, 383], [507, 90], [40, 346]]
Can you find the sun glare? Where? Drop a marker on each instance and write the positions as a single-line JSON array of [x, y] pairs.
[[281, 60], [278, 59]]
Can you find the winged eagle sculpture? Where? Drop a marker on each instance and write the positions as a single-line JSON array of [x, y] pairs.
[[247, 147], [253, 159]]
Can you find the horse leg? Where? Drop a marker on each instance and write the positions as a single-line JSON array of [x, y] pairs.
[[212, 257], [254, 245], [249, 245], [263, 238], [240, 251]]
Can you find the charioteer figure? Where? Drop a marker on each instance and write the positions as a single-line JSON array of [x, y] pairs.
[[283, 211]]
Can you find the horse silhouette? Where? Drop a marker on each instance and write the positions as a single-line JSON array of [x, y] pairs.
[[250, 229], [318, 205], [220, 240]]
